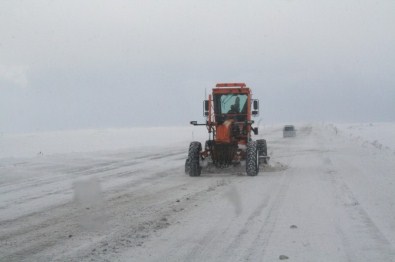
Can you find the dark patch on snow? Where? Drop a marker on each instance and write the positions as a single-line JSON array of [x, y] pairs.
[[283, 257]]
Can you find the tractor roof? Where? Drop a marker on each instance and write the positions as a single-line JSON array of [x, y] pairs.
[[231, 85], [235, 88]]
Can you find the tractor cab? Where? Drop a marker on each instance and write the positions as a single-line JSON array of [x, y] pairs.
[[231, 101], [230, 106], [229, 110]]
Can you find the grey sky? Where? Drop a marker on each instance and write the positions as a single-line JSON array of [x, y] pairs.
[[95, 64]]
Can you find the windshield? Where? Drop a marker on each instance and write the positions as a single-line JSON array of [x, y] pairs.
[[230, 104]]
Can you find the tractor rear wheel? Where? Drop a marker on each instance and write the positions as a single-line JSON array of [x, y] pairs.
[[262, 148], [192, 165], [252, 160]]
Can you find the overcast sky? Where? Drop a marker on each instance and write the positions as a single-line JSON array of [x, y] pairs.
[[97, 64]]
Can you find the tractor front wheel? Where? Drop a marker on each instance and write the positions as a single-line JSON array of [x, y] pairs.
[[252, 160], [192, 165], [187, 166]]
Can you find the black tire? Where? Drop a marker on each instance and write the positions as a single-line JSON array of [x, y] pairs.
[[187, 166], [192, 164], [252, 160], [262, 148]]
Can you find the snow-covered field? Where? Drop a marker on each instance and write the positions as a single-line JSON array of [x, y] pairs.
[[38, 144], [328, 194]]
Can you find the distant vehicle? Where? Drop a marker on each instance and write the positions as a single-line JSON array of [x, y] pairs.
[[289, 131]]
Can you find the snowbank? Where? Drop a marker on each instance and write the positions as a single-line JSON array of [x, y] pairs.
[[380, 135]]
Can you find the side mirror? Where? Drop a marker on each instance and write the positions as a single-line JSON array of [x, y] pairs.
[[255, 130], [255, 107], [205, 108], [193, 123]]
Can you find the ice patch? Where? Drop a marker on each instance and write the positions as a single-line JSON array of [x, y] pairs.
[[234, 198], [89, 200]]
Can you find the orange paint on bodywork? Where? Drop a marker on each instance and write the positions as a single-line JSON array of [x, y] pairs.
[[223, 132]]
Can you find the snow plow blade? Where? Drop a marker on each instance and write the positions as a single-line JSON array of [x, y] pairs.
[[267, 158]]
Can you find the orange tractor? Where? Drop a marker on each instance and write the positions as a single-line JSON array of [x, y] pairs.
[[228, 113]]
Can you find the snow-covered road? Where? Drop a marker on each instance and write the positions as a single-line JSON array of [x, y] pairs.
[[324, 197]]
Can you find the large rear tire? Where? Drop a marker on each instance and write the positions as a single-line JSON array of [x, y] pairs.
[[262, 149], [192, 165], [252, 160]]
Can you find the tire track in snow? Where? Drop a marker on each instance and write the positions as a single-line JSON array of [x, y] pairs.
[[57, 166], [362, 227], [112, 194], [256, 228], [265, 231], [58, 185], [204, 247], [375, 246], [54, 223], [57, 223]]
